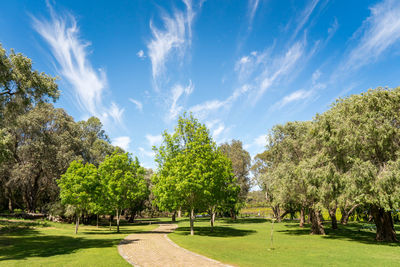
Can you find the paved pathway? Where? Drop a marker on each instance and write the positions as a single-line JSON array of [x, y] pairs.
[[156, 249]]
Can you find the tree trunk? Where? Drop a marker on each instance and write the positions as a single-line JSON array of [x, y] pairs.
[[332, 214], [345, 215], [110, 221], [233, 214], [118, 216], [212, 220], [309, 216], [179, 213], [174, 216], [302, 217], [283, 216], [316, 223], [10, 206], [77, 224], [384, 224], [277, 213], [97, 221], [192, 217]]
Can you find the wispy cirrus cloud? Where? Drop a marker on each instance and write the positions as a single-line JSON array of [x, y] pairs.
[[304, 16], [378, 33], [177, 92], [62, 35], [173, 38], [252, 8], [203, 110], [137, 103], [293, 97]]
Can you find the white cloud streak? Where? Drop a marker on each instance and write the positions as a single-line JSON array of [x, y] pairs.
[[61, 33], [378, 32], [137, 103], [177, 92], [174, 38], [295, 96], [252, 8]]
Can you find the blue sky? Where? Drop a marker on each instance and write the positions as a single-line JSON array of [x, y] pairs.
[[239, 66]]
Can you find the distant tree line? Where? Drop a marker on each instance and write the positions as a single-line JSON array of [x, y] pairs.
[[344, 159]]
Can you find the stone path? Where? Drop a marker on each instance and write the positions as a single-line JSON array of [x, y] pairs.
[[154, 248]]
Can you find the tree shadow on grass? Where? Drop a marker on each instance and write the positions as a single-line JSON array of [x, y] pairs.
[[219, 231], [356, 232], [246, 220], [46, 246]]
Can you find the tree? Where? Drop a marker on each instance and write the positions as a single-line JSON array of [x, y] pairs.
[[43, 143], [123, 183], [78, 186], [95, 143], [20, 86], [189, 169], [241, 162], [363, 133]]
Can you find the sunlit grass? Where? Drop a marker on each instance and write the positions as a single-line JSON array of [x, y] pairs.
[[247, 242], [40, 243]]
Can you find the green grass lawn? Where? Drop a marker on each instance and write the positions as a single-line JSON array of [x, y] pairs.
[[38, 243], [247, 242]]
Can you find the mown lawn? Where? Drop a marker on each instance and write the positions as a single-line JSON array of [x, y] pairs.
[[40, 243], [247, 242]]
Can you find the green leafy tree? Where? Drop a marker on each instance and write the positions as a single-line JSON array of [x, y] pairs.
[[123, 183], [78, 186], [189, 169]]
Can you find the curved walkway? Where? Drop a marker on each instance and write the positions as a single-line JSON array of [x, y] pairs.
[[156, 249]]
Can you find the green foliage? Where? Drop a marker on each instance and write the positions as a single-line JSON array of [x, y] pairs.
[[192, 173], [78, 184], [122, 181]]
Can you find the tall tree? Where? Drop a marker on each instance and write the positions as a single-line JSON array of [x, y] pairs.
[[187, 169], [45, 140], [241, 163]]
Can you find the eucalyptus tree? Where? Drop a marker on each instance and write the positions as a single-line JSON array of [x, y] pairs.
[[122, 181], [45, 141], [95, 142], [241, 163], [362, 134], [190, 169], [278, 168], [21, 88]]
